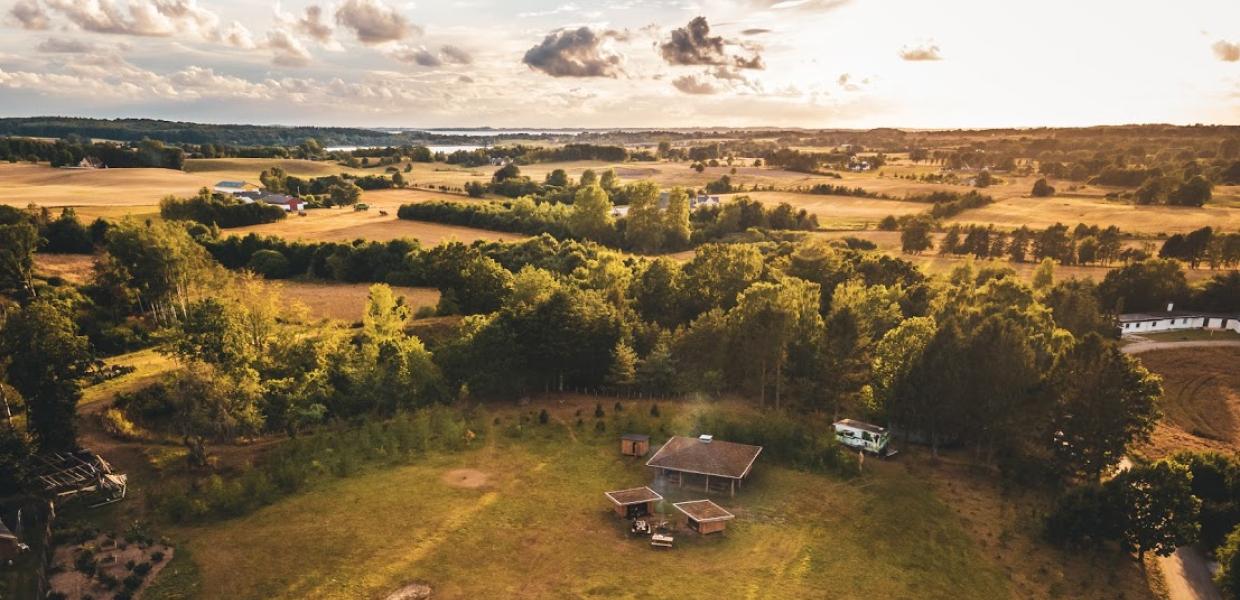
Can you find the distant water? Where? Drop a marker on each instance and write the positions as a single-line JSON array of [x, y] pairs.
[[444, 149], [492, 132]]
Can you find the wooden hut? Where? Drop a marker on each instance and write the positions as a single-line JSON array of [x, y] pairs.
[[634, 502], [634, 444], [710, 462], [705, 516]]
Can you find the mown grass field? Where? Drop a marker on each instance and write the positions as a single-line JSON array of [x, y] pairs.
[[346, 224], [539, 527], [1070, 210], [1201, 399]]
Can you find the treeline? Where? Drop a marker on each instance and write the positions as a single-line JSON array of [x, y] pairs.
[[521, 215], [35, 229], [64, 153], [342, 189], [950, 204], [652, 223], [219, 209], [1217, 249], [176, 132]]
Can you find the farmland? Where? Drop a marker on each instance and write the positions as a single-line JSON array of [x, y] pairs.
[[1201, 402]]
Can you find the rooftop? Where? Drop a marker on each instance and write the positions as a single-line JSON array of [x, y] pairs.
[[1173, 314], [703, 511], [861, 425], [633, 496], [716, 458], [635, 437]]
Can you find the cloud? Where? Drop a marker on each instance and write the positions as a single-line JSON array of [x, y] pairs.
[[373, 21], [237, 36], [312, 25], [29, 14], [57, 45], [456, 55], [755, 31], [693, 45], [919, 53], [692, 84], [1226, 51], [149, 18], [465, 79], [573, 53], [288, 50], [814, 5], [419, 56]]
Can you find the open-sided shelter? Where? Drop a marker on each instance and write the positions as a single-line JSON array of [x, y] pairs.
[[634, 502], [705, 516], [726, 463]]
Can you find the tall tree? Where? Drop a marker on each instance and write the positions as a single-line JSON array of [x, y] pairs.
[[676, 218], [644, 224], [591, 217], [47, 359], [1160, 507], [1103, 401]]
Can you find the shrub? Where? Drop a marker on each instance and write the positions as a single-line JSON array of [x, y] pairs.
[[598, 411], [157, 556], [142, 568], [543, 417], [269, 264], [600, 426], [654, 409], [618, 407]]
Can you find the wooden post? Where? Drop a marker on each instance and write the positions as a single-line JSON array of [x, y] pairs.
[[732, 491], [707, 484]]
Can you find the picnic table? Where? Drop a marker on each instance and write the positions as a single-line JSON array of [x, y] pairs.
[[660, 540]]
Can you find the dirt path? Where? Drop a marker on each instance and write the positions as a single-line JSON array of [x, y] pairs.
[[1187, 574], [1148, 346]]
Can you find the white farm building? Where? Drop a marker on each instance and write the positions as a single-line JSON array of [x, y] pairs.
[[1176, 320]]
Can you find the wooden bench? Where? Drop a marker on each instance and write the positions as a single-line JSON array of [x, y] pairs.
[[659, 540]]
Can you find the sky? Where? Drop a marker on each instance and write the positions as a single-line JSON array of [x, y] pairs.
[[625, 63]]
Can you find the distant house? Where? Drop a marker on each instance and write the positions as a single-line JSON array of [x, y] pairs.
[[288, 203], [703, 458], [1176, 320], [234, 187], [695, 201]]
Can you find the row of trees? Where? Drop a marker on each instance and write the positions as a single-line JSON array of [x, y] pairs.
[[1217, 249], [69, 153]]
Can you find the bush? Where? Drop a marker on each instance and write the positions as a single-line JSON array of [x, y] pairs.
[[600, 426], [543, 417], [654, 409], [269, 264], [1042, 189], [598, 411]]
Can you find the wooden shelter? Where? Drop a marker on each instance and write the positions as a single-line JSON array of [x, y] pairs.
[[634, 502], [634, 444], [705, 516], [728, 463]]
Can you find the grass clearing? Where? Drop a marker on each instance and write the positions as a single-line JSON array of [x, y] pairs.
[[346, 225], [1038, 213], [1201, 399], [347, 301], [540, 527]]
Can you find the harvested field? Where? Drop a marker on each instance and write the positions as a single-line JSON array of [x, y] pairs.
[[1201, 399], [23, 183], [840, 211], [1042, 212], [345, 224], [347, 301], [249, 168]]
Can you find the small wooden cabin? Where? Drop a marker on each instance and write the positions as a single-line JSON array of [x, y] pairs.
[[634, 502], [704, 516], [634, 444]]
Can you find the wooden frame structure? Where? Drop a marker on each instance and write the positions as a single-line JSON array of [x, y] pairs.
[[704, 516], [634, 444], [727, 462], [634, 502]]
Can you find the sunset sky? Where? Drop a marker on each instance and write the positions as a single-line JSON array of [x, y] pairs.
[[625, 63]]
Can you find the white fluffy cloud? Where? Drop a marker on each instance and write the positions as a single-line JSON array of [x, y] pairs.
[[373, 21]]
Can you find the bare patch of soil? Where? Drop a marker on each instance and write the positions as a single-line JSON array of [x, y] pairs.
[[413, 591], [465, 478]]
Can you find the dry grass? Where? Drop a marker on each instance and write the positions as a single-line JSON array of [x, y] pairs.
[[249, 168], [23, 184], [1201, 399], [841, 212], [347, 301], [1041, 212], [345, 224], [73, 268]]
